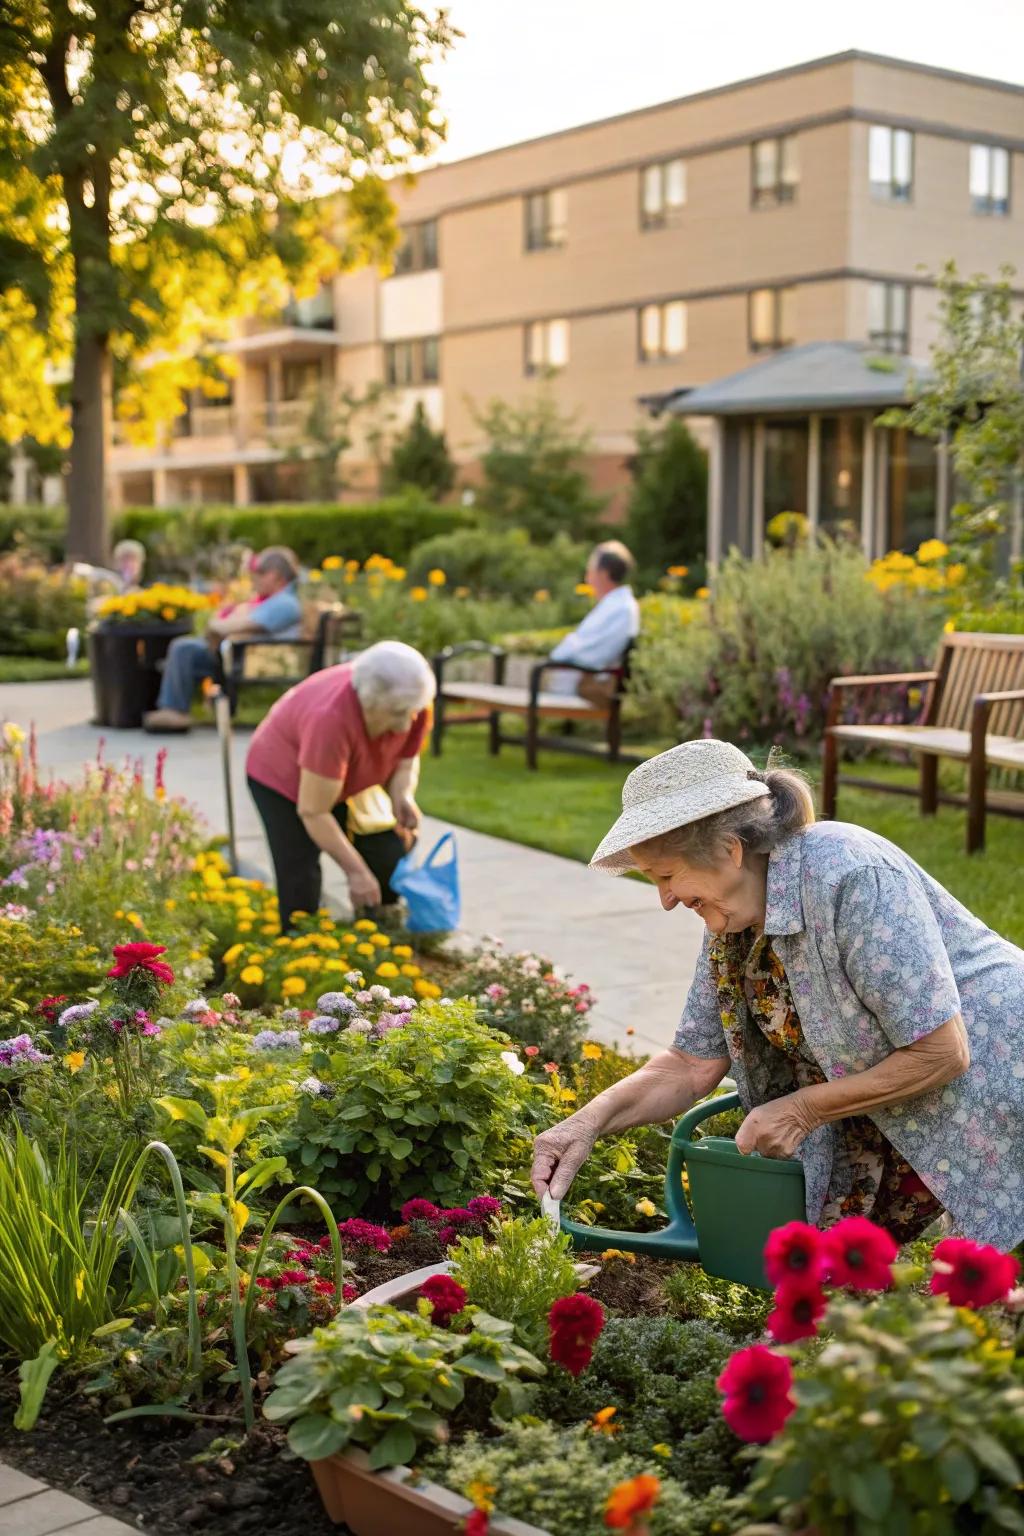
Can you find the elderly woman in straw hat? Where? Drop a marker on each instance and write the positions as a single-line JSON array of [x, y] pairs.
[[874, 1028]]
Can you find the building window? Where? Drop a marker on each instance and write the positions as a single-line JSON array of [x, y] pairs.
[[302, 381], [891, 163], [547, 345], [662, 193], [990, 179], [770, 319], [417, 250], [409, 363], [662, 331], [547, 219], [889, 316], [775, 173]]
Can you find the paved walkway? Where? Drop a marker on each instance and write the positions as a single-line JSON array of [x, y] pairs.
[[31, 1508], [609, 933]]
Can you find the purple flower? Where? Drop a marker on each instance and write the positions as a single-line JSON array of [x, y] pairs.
[[496, 991], [276, 1040], [389, 1021], [363, 998], [335, 1002], [484, 1207], [380, 994], [150, 1028], [19, 1050], [76, 1014], [323, 1024], [354, 978], [403, 1004], [196, 1008]]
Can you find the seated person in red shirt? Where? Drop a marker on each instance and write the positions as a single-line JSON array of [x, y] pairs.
[[334, 735]]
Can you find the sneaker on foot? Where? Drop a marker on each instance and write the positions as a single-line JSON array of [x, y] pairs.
[[166, 720]]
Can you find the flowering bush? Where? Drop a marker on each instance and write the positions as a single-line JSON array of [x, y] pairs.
[[523, 996], [118, 1030], [161, 602], [405, 1377], [930, 570], [37, 606]]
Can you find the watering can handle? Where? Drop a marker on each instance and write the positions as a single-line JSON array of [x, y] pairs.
[[705, 1110]]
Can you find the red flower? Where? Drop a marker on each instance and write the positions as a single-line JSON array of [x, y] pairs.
[[446, 1296], [531, 1050], [294, 1277], [756, 1386], [483, 1207], [575, 1322], [478, 1523], [420, 1210], [972, 1274], [324, 1287], [364, 1234], [141, 957], [798, 1305], [859, 1254], [793, 1252], [50, 1007]]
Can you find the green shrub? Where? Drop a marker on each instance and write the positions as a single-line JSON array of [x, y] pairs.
[[40, 959], [739, 1311], [755, 664], [405, 1377], [517, 1274], [533, 466], [429, 1110], [420, 458], [501, 562], [313, 530], [660, 1375], [560, 1479], [37, 607], [34, 530], [666, 523]]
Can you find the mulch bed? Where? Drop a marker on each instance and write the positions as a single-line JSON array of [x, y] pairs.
[[634, 1290]]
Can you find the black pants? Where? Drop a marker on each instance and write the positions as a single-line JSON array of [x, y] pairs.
[[296, 858]]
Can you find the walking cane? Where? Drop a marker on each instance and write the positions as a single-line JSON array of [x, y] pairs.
[[222, 714]]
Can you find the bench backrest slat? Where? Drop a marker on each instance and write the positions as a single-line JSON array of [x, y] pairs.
[[970, 664]]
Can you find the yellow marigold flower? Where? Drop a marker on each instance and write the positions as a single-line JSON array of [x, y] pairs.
[[418, 594], [365, 949], [293, 986], [619, 1253], [663, 1450], [245, 927], [284, 940], [646, 1208], [932, 549], [14, 736], [678, 571], [170, 614], [269, 929], [170, 904], [481, 1495], [568, 1095], [425, 988], [365, 925], [602, 1421], [402, 951], [134, 919], [381, 940], [387, 970], [411, 970], [252, 975], [119, 913], [231, 955], [255, 957], [332, 563], [584, 589], [316, 575], [592, 1051], [461, 591], [74, 1061], [541, 595], [437, 577], [703, 592]]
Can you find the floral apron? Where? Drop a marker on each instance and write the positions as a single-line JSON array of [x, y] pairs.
[[869, 1177]]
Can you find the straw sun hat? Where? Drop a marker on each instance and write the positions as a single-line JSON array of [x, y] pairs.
[[687, 783]]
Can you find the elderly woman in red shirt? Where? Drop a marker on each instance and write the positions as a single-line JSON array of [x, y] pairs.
[[337, 733]]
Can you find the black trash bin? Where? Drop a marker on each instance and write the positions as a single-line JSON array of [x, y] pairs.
[[123, 662]]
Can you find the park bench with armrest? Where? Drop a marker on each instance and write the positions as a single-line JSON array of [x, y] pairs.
[[248, 661], [973, 713], [534, 703]]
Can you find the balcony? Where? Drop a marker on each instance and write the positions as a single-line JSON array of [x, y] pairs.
[[225, 432]]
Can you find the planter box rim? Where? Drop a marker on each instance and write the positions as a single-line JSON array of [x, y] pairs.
[[441, 1500]]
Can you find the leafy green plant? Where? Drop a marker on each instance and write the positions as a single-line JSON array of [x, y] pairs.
[[516, 1273], [659, 1374], [666, 521], [389, 1381], [430, 1109], [560, 1480], [533, 469], [739, 1311], [502, 562], [420, 457], [37, 607], [910, 1419], [223, 1131]]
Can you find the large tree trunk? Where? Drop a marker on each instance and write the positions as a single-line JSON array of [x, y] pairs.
[[90, 420]]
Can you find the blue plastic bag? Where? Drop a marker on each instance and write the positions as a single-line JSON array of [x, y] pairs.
[[430, 889]]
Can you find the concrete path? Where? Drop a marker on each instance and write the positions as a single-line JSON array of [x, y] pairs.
[[31, 1508], [609, 933]]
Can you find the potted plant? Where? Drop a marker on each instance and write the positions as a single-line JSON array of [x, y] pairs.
[[127, 642]]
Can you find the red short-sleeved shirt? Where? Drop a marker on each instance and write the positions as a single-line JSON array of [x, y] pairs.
[[318, 725]]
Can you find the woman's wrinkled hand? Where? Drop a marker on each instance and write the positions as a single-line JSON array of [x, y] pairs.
[[558, 1155], [778, 1128]]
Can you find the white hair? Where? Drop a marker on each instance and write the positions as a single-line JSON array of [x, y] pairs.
[[393, 678]]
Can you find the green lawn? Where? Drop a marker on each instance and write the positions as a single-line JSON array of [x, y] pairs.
[[38, 669], [568, 805]]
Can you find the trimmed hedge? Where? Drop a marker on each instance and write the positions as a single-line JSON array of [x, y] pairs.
[[314, 530]]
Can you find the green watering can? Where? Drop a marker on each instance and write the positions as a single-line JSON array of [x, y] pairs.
[[737, 1201]]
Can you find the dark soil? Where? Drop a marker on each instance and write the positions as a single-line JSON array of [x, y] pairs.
[[635, 1290], [146, 1473]]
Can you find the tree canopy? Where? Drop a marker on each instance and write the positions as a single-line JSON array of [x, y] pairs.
[[169, 165]]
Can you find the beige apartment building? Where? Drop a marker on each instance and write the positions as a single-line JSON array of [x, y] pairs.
[[628, 259]]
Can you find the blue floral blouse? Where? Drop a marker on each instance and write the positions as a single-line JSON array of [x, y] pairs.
[[877, 955]]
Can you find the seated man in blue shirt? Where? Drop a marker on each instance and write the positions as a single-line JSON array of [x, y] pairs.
[[601, 639], [275, 610]]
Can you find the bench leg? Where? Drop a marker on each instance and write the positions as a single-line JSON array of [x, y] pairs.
[[929, 784], [532, 732], [829, 776], [614, 731], [438, 730], [494, 733], [976, 797]]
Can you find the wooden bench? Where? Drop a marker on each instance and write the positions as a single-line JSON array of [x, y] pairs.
[[971, 710], [251, 663], [496, 698]]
